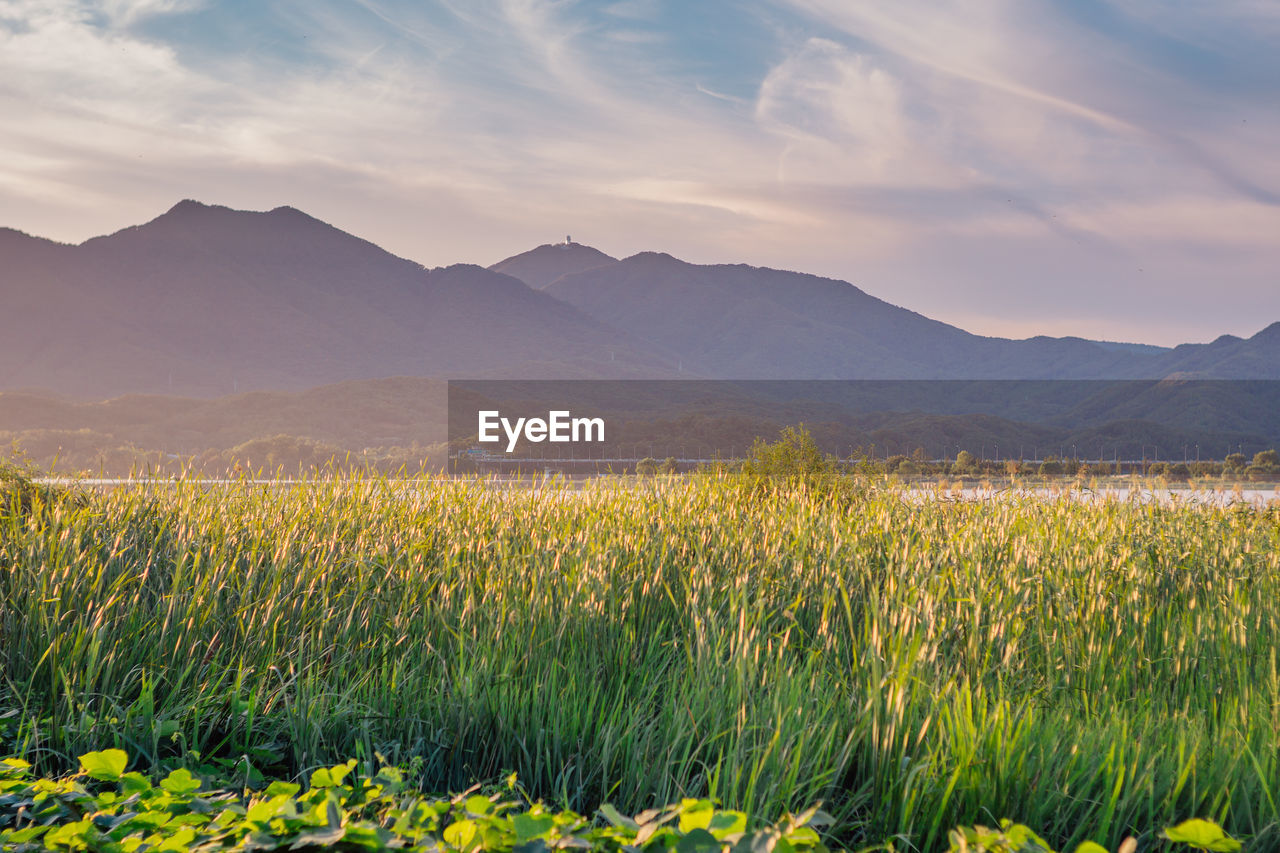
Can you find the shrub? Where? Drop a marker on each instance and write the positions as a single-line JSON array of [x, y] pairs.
[[794, 457], [20, 492]]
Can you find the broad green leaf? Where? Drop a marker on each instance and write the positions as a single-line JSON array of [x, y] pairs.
[[134, 783], [286, 789], [324, 836], [106, 766], [495, 835], [1023, 839], [1204, 835], [727, 823], [180, 840], [266, 810], [537, 845], [70, 833], [462, 833], [180, 782], [807, 836], [528, 827], [153, 819], [696, 815], [617, 818], [189, 820], [331, 777], [31, 833], [478, 805], [698, 841], [367, 838], [1091, 847]]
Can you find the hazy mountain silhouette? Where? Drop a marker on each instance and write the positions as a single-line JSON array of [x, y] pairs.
[[205, 300], [543, 265], [352, 415], [401, 422], [740, 321], [1228, 357]]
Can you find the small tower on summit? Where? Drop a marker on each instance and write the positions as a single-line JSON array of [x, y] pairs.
[[568, 240]]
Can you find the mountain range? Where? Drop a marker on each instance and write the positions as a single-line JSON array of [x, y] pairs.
[[238, 335], [206, 301]]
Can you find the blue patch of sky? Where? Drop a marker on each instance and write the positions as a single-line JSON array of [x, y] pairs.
[[726, 46], [298, 36], [211, 33], [1221, 53]]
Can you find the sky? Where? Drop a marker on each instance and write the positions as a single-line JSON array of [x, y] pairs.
[[1015, 167]]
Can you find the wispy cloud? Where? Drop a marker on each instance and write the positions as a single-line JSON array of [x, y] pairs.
[[942, 153]]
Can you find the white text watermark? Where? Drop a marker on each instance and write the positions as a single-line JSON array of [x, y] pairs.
[[559, 427]]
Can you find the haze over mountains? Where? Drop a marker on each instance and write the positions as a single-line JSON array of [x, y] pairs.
[[206, 300], [737, 321]]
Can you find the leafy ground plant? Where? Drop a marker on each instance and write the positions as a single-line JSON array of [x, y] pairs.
[[105, 808], [1016, 838]]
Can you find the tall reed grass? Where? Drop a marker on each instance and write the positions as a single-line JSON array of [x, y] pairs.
[[1093, 670]]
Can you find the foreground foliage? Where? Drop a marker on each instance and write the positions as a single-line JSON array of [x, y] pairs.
[[106, 808], [1096, 670], [343, 811]]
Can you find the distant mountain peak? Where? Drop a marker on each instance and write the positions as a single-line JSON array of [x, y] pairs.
[[14, 236], [287, 212], [189, 207], [187, 204], [551, 261], [186, 211], [1269, 334], [661, 257]]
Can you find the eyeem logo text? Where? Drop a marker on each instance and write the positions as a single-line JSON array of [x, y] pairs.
[[558, 428]]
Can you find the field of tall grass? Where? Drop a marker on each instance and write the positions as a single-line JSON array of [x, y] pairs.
[[1092, 670]]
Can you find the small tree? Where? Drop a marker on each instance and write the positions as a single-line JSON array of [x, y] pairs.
[[965, 462], [647, 467], [794, 457]]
